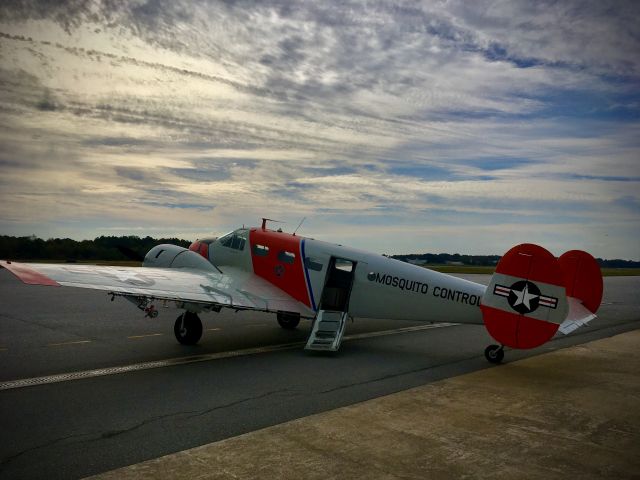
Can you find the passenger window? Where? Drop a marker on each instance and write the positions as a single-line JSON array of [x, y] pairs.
[[313, 264], [286, 257], [344, 265], [260, 250]]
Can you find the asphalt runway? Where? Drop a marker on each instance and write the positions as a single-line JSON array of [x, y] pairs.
[[77, 428]]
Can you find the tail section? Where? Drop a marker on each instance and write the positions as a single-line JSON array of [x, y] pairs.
[[582, 278], [583, 282], [532, 294]]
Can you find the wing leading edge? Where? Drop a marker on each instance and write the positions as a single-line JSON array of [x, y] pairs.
[[233, 289]]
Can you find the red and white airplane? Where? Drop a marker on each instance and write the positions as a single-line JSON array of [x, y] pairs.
[[531, 296]]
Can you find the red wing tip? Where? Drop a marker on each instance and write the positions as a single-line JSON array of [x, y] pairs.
[[28, 275]]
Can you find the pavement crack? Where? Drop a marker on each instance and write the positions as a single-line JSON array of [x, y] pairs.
[[396, 375], [189, 415], [236, 402], [92, 437], [115, 433], [6, 460]]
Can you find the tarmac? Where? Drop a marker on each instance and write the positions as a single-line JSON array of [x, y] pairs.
[[571, 413]]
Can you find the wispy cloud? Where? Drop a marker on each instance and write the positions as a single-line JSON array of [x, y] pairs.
[[396, 126]]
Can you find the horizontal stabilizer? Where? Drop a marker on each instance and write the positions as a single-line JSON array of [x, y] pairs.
[[577, 317]]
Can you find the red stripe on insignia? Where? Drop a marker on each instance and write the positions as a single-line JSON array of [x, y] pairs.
[[546, 302], [28, 275], [544, 299], [500, 290]]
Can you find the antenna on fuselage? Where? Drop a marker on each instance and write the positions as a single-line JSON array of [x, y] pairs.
[[299, 225], [265, 220]]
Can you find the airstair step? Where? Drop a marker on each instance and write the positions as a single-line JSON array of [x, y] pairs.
[[327, 331]]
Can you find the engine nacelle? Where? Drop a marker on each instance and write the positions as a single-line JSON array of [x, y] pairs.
[[173, 256]]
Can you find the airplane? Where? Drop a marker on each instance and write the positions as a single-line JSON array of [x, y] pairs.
[[531, 296]]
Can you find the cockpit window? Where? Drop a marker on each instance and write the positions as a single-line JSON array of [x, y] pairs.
[[235, 240]]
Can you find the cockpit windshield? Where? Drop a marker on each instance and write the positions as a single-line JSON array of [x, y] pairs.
[[235, 240]]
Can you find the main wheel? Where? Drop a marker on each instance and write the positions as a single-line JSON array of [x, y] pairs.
[[494, 353], [288, 321], [188, 328]]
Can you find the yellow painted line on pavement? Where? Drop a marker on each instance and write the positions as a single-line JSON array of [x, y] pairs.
[[213, 329], [100, 372], [133, 337], [3, 349], [76, 342]]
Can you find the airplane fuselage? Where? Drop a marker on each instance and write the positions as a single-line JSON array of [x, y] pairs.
[[322, 275]]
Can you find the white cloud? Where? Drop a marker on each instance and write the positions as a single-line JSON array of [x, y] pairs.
[[365, 117]]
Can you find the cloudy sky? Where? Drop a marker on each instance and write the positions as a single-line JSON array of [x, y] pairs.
[[393, 126]]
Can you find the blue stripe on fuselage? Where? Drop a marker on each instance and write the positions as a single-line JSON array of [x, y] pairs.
[[306, 274]]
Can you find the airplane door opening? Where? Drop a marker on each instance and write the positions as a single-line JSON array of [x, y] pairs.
[[337, 289]]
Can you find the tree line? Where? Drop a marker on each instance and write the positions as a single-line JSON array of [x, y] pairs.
[[111, 248], [489, 260], [65, 249], [448, 258]]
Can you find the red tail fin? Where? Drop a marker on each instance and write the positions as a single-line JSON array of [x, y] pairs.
[[582, 278], [526, 300]]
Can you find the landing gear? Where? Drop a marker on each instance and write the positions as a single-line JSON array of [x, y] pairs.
[[188, 328], [494, 353], [288, 321], [143, 303]]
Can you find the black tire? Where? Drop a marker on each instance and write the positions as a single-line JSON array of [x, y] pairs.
[[288, 321], [188, 328], [494, 353]]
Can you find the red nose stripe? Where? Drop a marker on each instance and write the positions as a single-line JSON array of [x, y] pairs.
[[282, 264]]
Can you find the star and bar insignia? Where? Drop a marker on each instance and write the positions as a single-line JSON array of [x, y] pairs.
[[525, 297]]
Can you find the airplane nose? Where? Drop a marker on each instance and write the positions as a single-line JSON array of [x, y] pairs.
[[202, 247]]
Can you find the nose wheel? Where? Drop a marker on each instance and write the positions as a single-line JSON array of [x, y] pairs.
[[494, 353], [288, 321], [188, 328]]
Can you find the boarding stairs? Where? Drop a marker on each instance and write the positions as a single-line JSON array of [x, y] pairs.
[[327, 331]]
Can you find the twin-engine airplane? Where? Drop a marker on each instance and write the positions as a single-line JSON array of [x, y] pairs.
[[531, 296]]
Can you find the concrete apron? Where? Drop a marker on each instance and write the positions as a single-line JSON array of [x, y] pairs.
[[573, 413]]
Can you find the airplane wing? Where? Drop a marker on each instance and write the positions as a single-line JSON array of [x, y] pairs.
[[234, 288]]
